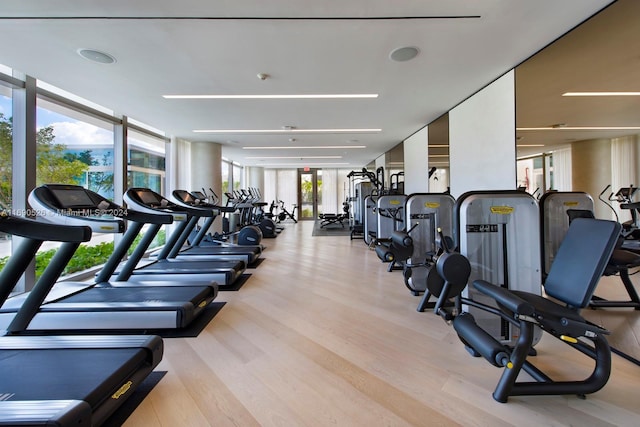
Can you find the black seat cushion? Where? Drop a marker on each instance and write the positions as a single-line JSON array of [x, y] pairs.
[[549, 307]]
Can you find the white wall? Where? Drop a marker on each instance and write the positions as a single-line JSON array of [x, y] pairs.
[[482, 144], [416, 167]]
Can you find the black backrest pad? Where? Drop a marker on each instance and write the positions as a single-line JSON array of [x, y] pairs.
[[581, 260]]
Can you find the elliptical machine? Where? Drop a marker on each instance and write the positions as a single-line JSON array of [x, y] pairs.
[[238, 235], [251, 211], [267, 225]]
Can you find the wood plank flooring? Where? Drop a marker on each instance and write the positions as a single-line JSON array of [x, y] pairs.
[[321, 334]]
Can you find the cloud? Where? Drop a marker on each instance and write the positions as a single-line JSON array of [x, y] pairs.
[[80, 133]]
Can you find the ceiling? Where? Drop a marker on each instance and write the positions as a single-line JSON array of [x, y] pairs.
[[165, 47]]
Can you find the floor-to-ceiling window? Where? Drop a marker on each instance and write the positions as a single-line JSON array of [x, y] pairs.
[[74, 144], [74, 147], [146, 161], [226, 172], [237, 177], [146, 167]]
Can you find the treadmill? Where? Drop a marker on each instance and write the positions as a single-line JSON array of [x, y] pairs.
[[63, 380], [224, 273], [102, 305], [248, 254]]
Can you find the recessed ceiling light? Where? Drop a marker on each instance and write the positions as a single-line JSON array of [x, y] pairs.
[[601, 94], [303, 96], [403, 54], [96, 56]]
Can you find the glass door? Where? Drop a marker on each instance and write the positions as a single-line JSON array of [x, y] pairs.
[[309, 193]]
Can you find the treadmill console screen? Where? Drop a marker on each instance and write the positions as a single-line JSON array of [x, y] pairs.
[[149, 198], [73, 198], [199, 194], [626, 192], [186, 197]]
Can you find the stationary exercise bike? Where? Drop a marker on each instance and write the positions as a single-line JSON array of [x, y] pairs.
[[283, 213]]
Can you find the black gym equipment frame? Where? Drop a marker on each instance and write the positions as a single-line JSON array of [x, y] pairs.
[[103, 305], [63, 380], [579, 263]]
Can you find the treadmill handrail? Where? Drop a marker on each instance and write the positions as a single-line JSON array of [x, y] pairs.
[[208, 209], [37, 230], [179, 213], [103, 210]]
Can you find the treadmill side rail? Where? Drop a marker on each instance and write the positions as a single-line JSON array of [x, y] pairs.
[[62, 413], [152, 343]]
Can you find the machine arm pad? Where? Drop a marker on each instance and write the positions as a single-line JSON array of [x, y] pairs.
[[505, 298]]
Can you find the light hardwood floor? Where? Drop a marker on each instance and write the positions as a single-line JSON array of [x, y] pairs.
[[321, 334]]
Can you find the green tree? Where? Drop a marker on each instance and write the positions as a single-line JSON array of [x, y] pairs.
[[53, 166], [306, 188], [102, 182], [6, 171], [84, 156]]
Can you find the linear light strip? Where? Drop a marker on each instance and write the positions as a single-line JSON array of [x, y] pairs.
[[303, 146], [582, 128], [236, 18], [308, 96], [601, 94], [294, 157], [306, 164], [287, 130]]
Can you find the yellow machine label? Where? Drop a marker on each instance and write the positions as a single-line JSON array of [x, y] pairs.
[[202, 304], [107, 227], [180, 217], [571, 204], [122, 390], [394, 202], [502, 210], [432, 205], [569, 339]]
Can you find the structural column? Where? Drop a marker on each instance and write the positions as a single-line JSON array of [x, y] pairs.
[[206, 158], [591, 171]]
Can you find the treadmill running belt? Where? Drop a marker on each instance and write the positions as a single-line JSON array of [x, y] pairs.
[[79, 374], [187, 266], [141, 294]]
